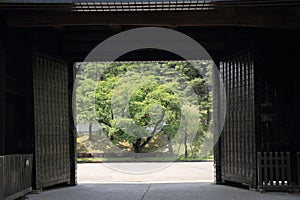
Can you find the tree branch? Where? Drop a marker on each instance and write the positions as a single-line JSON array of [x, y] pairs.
[[154, 130], [106, 123]]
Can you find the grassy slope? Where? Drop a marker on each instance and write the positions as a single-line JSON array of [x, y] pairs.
[[101, 144]]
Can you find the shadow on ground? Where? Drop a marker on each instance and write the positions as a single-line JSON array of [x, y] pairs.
[[157, 191]]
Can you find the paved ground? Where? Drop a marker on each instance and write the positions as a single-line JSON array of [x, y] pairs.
[[191, 181], [146, 172], [158, 191]]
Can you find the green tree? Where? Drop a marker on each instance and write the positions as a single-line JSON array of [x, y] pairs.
[[143, 116], [153, 108], [87, 76]]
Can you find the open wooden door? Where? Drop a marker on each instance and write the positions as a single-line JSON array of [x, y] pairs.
[[237, 142], [53, 152]]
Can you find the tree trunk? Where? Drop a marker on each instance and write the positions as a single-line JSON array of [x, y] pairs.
[[170, 146], [137, 146], [185, 145], [192, 151], [208, 109], [90, 132], [171, 149]]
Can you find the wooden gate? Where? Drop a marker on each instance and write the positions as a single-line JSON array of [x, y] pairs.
[[52, 122], [238, 141], [274, 170], [15, 176]]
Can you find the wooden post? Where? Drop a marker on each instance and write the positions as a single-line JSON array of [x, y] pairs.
[[288, 168], [217, 129], [271, 177], [266, 177], [2, 100], [1, 178], [259, 169], [298, 167], [277, 168], [72, 131], [283, 175]]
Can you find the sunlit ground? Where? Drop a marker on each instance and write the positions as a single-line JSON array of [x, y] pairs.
[[145, 172]]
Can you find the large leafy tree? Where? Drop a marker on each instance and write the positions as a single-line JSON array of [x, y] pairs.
[[140, 105], [151, 114]]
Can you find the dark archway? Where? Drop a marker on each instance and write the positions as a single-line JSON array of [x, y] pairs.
[[59, 36]]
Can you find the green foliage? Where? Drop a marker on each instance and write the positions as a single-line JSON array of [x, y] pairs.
[[81, 148], [139, 105]]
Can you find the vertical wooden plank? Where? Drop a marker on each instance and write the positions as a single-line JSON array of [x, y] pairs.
[[230, 121], [259, 169], [228, 117], [266, 177], [5, 165], [276, 168], [244, 119], [2, 100], [248, 93], [253, 124], [216, 115], [238, 130], [288, 167], [232, 115], [224, 142], [242, 115], [283, 174], [1, 178], [72, 130], [225, 133], [298, 168], [233, 122], [271, 167]]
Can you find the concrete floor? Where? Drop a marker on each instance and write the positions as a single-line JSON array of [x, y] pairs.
[[147, 172], [157, 191], [184, 181]]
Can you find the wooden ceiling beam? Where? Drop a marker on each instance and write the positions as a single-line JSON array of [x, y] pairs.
[[100, 36], [273, 17], [86, 47], [137, 56]]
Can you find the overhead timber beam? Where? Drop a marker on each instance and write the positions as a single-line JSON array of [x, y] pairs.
[[201, 35], [265, 17], [87, 47]]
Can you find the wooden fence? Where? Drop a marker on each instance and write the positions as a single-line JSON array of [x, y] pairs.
[[15, 176], [274, 170], [298, 168]]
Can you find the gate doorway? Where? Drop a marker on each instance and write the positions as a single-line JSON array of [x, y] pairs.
[[66, 32], [168, 136]]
